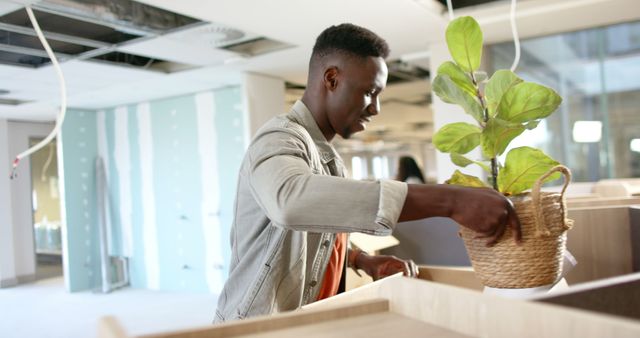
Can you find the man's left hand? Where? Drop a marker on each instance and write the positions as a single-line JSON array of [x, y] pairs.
[[381, 266]]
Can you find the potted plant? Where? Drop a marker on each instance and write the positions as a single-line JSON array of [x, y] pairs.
[[503, 106]]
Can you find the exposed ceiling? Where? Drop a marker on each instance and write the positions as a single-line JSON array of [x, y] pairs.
[[465, 3], [178, 47]]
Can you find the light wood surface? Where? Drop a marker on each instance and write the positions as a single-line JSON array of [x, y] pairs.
[[360, 294], [404, 307], [370, 243], [288, 320], [617, 187], [600, 242], [463, 276], [386, 324], [475, 314], [602, 201], [481, 315]]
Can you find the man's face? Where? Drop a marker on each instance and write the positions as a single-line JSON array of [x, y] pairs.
[[355, 99]]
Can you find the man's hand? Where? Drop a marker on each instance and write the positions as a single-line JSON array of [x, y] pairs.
[[382, 266], [487, 212]]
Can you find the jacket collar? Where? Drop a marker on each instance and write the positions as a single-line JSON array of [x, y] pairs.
[[303, 116]]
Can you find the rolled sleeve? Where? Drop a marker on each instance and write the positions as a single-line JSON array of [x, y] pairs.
[[392, 196]]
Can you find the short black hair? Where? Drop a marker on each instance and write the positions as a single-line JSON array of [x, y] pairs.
[[350, 39]]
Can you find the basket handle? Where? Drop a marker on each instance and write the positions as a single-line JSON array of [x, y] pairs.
[[542, 229]]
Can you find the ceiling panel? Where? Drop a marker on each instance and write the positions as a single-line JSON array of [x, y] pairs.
[[8, 7], [177, 49]]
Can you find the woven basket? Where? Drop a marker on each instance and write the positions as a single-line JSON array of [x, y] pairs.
[[538, 259]]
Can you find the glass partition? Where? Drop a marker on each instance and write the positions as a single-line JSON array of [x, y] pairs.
[[596, 130]]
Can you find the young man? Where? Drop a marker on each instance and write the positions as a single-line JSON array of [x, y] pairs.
[[294, 207]]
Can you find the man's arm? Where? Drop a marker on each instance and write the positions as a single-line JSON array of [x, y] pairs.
[[481, 209], [293, 195]]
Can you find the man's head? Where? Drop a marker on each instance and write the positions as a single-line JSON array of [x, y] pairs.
[[347, 72]]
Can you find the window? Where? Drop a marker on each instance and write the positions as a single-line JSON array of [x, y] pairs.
[[380, 167], [358, 168], [597, 73]]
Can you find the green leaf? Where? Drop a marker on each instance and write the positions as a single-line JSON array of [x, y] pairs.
[[462, 161], [527, 101], [500, 82], [458, 76], [464, 39], [523, 166], [459, 178], [532, 124], [496, 136], [449, 92], [459, 137]]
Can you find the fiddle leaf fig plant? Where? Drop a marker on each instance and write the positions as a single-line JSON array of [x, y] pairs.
[[504, 106]]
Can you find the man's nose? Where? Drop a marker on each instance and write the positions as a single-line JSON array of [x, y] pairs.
[[374, 107]]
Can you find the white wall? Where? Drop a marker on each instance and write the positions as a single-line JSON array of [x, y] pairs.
[[17, 258], [7, 266], [264, 97]]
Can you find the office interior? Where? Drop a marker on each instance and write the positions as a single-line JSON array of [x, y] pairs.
[[127, 212]]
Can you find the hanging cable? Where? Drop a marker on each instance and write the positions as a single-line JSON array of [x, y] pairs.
[[450, 7], [63, 96], [516, 39], [45, 167]]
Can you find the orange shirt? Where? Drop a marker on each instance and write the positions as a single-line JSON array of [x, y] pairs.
[[333, 274]]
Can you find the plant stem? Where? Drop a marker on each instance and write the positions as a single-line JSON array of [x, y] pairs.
[[485, 110], [494, 173]]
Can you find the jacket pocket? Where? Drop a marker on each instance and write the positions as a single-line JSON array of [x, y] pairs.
[[248, 307]]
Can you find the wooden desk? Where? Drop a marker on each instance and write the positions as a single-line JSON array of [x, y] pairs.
[[600, 241], [403, 307]]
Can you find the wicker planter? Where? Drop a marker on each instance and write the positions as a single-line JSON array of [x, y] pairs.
[[538, 259]]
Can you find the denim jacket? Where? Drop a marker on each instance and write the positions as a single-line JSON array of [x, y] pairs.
[[291, 201]]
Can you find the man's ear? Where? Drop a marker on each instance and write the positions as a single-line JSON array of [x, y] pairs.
[[330, 78]]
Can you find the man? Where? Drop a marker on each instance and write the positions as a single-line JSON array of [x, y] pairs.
[[294, 208]]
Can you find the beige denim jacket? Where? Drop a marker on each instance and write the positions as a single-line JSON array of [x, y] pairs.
[[288, 207]]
